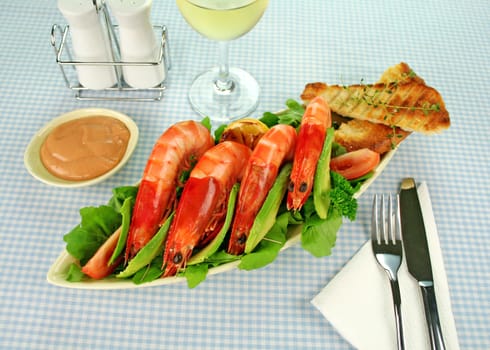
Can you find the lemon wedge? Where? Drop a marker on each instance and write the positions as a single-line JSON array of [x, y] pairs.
[[247, 131]]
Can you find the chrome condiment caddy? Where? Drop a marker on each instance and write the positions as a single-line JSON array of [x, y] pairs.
[[61, 43]]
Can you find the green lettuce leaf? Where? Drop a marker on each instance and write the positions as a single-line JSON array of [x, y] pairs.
[[97, 224], [318, 236], [206, 121], [195, 274], [74, 273], [120, 194]]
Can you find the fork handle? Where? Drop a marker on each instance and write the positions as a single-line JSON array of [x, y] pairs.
[[432, 316], [395, 291]]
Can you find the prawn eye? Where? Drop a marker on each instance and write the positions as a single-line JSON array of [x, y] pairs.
[[177, 258], [291, 186], [242, 239], [303, 187]]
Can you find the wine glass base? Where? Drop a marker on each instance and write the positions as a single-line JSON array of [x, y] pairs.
[[224, 105]]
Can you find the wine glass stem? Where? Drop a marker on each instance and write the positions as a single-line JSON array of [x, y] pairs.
[[223, 84]]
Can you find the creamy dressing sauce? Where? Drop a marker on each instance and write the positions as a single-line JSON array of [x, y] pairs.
[[85, 148]]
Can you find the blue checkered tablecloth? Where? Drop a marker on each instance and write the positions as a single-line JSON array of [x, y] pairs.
[[296, 42]]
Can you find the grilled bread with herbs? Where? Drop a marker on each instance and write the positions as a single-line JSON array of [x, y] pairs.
[[400, 99], [385, 113]]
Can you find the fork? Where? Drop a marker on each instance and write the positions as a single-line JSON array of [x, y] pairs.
[[387, 249]]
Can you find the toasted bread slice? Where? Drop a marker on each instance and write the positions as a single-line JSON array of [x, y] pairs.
[[356, 134], [400, 99], [400, 73]]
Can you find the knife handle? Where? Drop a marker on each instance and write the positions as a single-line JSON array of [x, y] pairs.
[[432, 316]]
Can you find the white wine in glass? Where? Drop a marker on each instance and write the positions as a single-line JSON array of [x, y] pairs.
[[223, 93]]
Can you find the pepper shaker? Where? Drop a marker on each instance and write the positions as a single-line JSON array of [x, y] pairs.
[[91, 43], [137, 42]]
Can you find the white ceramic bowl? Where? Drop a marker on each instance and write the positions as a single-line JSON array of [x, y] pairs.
[[32, 159]]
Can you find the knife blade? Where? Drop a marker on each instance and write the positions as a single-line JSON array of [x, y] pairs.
[[417, 256]]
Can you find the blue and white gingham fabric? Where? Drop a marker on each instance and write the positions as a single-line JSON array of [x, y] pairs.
[[296, 42]]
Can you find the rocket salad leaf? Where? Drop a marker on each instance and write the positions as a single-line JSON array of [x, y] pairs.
[[195, 274], [291, 116], [318, 235]]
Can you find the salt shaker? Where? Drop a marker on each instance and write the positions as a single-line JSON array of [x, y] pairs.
[[137, 42], [90, 41]]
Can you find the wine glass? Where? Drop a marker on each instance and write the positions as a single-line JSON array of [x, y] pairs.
[[223, 93]]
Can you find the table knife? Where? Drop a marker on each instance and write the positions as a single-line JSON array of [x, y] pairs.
[[418, 258]]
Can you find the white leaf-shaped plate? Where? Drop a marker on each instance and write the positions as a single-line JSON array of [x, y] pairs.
[[58, 271]]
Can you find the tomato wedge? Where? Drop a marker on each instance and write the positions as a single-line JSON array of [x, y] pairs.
[[98, 266], [355, 164]]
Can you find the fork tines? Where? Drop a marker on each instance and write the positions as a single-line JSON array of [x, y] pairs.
[[385, 225]]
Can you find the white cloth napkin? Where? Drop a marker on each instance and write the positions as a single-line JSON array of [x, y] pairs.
[[358, 302]]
